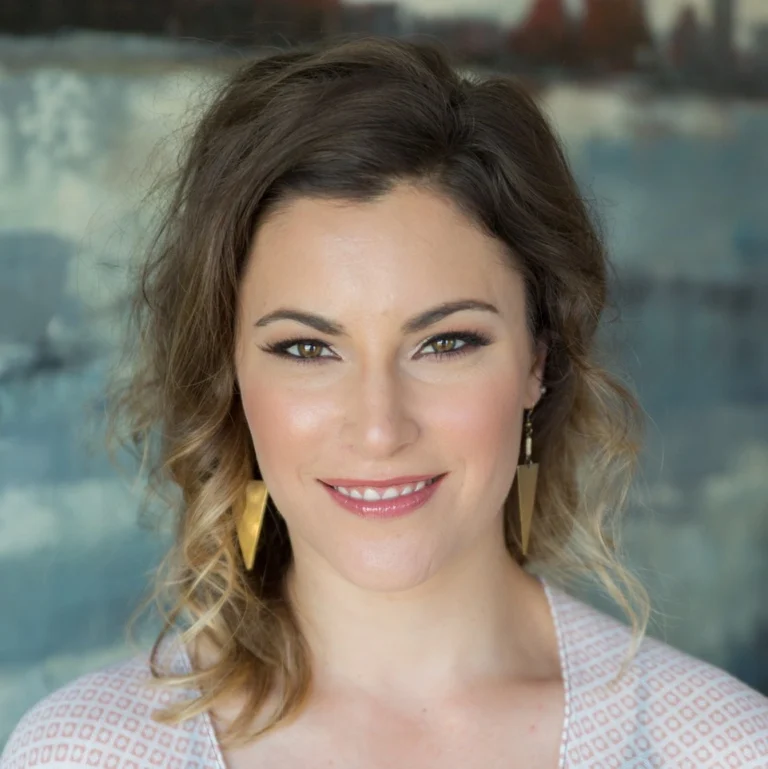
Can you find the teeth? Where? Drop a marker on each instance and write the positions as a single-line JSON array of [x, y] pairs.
[[375, 495]]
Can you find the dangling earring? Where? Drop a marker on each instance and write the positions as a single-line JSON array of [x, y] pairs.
[[527, 474], [250, 519]]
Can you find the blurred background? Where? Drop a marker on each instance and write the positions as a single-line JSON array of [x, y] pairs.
[[663, 108]]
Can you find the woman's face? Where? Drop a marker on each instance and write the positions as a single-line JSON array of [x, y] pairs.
[[371, 387]]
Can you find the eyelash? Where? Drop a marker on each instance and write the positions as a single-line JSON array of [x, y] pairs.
[[472, 340]]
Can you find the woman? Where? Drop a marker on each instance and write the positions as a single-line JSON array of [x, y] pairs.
[[366, 343]]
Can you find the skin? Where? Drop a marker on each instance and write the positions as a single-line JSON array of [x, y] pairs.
[[429, 645]]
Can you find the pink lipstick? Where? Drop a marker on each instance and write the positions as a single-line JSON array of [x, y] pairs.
[[385, 508], [377, 484]]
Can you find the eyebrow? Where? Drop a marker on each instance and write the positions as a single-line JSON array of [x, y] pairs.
[[417, 323]]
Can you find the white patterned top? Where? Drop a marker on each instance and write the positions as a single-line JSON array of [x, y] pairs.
[[671, 711]]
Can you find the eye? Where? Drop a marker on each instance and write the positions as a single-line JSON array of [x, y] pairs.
[[455, 343], [307, 350], [448, 345], [445, 345]]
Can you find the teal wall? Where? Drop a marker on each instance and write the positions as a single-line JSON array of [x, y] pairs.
[[680, 185]]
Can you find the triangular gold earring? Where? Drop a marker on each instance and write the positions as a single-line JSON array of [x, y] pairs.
[[250, 520], [527, 475]]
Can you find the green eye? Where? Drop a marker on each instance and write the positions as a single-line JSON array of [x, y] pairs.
[[448, 345], [300, 350], [311, 349], [455, 343], [445, 345]]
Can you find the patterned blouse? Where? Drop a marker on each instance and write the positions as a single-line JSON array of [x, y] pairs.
[[670, 710]]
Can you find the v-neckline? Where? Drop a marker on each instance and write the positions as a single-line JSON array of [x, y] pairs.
[[552, 596]]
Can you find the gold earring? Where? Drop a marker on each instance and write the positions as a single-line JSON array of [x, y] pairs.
[[527, 475], [250, 519]]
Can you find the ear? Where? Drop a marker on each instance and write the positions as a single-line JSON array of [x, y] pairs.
[[536, 374]]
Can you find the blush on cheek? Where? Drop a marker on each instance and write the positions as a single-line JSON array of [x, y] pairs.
[[482, 421], [289, 430], [483, 432]]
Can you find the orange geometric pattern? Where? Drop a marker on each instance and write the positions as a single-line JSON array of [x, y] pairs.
[[670, 711]]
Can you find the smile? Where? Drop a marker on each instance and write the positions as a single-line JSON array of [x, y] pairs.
[[390, 502], [371, 494]]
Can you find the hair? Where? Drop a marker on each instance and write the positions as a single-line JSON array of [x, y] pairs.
[[349, 119]]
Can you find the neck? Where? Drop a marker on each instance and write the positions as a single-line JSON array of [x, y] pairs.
[[480, 619]]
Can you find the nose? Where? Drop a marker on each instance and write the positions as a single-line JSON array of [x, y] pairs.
[[379, 418]]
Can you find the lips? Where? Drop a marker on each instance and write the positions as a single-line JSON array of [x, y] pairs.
[[385, 507], [371, 494], [361, 483]]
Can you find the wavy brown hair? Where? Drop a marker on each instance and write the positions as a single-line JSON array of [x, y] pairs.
[[349, 119]]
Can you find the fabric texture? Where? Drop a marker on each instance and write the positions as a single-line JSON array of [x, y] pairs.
[[670, 711]]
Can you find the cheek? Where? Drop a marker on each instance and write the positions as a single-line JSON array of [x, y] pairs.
[[482, 417], [285, 425], [482, 420]]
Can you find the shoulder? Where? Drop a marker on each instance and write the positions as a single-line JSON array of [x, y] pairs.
[[103, 719], [670, 708]]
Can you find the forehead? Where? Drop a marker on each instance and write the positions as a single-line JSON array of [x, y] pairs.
[[410, 247]]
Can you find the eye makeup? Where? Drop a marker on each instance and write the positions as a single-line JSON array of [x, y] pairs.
[[470, 340]]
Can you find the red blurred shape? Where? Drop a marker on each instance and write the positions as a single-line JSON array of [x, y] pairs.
[[545, 33], [614, 32], [546, 16], [686, 40]]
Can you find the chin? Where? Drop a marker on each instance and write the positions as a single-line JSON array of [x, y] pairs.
[[385, 570]]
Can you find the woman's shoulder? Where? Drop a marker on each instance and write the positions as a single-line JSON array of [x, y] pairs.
[[103, 719], [669, 707]]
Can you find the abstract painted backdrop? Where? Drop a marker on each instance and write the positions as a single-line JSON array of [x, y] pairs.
[[679, 184]]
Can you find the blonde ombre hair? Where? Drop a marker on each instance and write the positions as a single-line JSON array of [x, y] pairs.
[[349, 119]]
